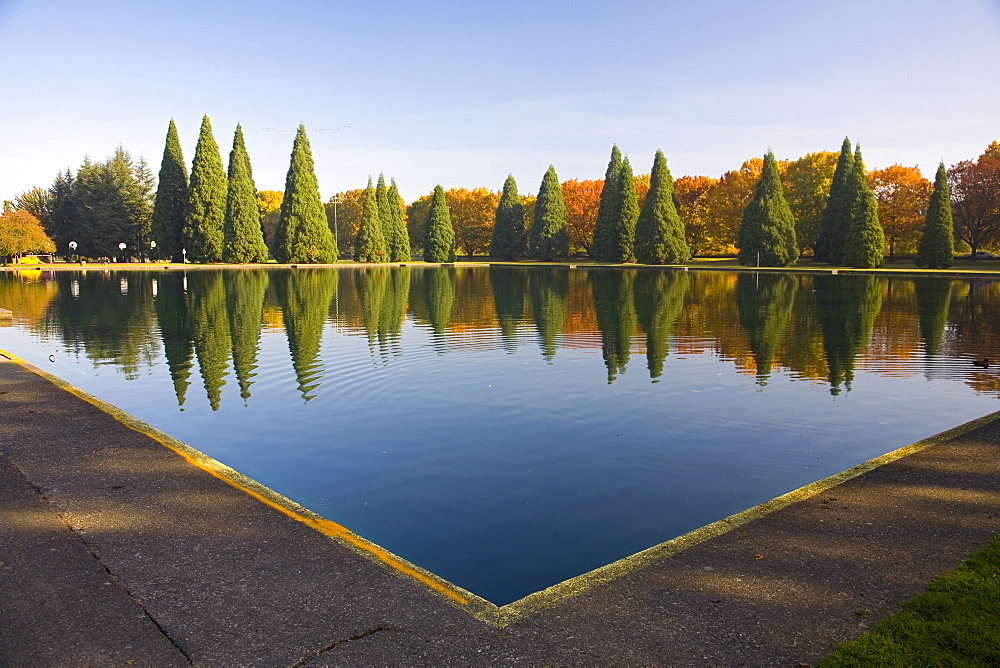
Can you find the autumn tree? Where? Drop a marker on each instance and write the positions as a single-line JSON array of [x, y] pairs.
[[901, 194], [937, 244], [369, 242], [725, 202], [21, 232], [396, 235], [602, 249], [303, 234], [659, 232], [767, 231], [416, 219], [343, 217], [205, 210], [547, 239], [975, 200], [582, 202], [242, 238], [690, 193], [269, 205], [167, 225], [439, 236], [839, 209], [509, 241], [806, 183], [472, 213], [864, 245]]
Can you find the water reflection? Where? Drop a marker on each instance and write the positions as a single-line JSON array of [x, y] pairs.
[[820, 327]]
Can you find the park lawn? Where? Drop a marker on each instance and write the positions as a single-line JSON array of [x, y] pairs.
[[956, 622]]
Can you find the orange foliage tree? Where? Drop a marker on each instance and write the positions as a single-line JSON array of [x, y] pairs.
[[348, 217], [691, 192], [902, 195], [582, 199], [724, 204], [21, 233], [472, 213]]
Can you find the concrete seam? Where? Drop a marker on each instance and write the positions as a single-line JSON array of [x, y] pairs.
[[336, 643], [93, 553]]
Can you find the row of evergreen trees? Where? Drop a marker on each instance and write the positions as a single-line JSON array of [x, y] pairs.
[[850, 233], [214, 216]]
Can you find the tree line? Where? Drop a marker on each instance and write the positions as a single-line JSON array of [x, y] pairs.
[[768, 212]]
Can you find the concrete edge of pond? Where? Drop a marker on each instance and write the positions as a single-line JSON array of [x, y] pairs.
[[783, 581]]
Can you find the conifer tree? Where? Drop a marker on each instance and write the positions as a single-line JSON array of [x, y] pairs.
[[864, 246], [509, 240], [242, 239], [659, 232], [171, 197], [602, 247], [439, 235], [384, 215], [397, 236], [303, 234], [206, 203], [369, 242], [767, 231], [625, 217], [548, 239], [837, 214], [937, 242]]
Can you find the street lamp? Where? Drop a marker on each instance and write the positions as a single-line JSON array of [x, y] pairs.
[[122, 247], [72, 248], [335, 200], [184, 255], [152, 247]]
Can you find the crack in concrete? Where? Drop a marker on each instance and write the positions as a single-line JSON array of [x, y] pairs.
[[364, 634], [93, 553]]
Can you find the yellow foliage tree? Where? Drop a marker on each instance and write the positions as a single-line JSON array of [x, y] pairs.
[[21, 233], [582, 199], [806, 183], [691, 193], [902, 195], [348, 217], [472, 213]]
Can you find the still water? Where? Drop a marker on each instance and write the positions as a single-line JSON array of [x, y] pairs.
[[508, 428]]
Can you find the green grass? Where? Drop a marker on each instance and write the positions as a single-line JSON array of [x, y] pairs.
[[956, 622]]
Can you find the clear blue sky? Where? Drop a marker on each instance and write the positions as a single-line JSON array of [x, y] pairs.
[[461, 93]]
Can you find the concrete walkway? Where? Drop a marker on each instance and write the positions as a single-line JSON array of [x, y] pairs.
[[115, 550]]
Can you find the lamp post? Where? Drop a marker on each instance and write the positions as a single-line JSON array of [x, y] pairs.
[[152, 247], [184, 255], [122, 246], [335, 200], [72, 249]]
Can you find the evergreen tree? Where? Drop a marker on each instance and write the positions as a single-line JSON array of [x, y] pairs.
[[397, 236], [837, 214], [206, 203], [937, 242], [614, 305], [439, 299], [510, 287], [659, 233], [245, 292], [767, 230], [659, 300], [625, 217], [303, 234], [764, 304], [210, 331], [509, 240], [933, 299], [369, 242], [305, 295], [547, 291], [602, 247], [439, 235], [112, 202], [242, 239], [171, 197], [173, 319], [864, 247], [548, 239]]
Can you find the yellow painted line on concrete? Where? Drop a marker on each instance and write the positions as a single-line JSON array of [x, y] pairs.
[[477, 606]]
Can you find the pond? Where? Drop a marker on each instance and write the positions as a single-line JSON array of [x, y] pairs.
[[508, 428]]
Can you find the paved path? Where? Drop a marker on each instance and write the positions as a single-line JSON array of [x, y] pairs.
[[115, 549]]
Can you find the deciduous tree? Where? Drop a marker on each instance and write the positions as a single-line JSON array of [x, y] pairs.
[[547, 239], [725, 202], [242, 240], [205, 209], [21, 232], [901, 194], [303, 233], [691, 193], [167, 224], [975, 200], [937, 242], [472, 213], [583, 199], [806, 183]]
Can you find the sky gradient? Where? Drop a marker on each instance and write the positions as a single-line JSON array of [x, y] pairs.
[[463, 93]]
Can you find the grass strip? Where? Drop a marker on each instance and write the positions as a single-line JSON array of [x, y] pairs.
[[956, 622]]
